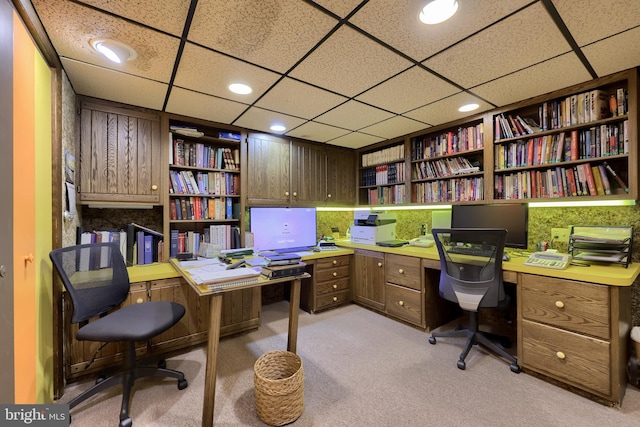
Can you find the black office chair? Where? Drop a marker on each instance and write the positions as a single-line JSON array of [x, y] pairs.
[[471, 276], [95, 275]]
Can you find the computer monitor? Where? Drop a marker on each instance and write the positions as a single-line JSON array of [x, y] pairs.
[[513, 217], [282, 228]]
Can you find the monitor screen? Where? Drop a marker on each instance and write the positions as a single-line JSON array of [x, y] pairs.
[[513, 217], [283, 228]]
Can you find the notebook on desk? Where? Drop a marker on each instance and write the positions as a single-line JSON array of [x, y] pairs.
[[392, 243]]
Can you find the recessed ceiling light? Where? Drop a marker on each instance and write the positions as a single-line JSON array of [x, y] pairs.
[[240, 88], [468, 107], [438, 11], [278, 128], [114, 50]]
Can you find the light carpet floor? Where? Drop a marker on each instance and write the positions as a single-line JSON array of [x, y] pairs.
[[361, 369]]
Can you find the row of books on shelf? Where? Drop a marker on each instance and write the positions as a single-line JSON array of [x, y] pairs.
[[215, 183], [392, 195], [446, 167], [193, 208], [450, 190], [385, 155], [573, 110], [384, 174], [199, 155], [139, 245], [580, 180], [598, 141], [465, 139], [221, 236]]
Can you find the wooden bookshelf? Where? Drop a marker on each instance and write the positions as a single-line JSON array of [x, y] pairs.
[[382, 175]]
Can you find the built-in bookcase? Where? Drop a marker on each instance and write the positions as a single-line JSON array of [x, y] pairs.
[[579, 143], [382, 175], [204, 187], [448, 165]]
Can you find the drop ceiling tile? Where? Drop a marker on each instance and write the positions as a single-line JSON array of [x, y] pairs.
[[446, 110], [396, 23], [313, 131], [614, 54], [521, 40], [353, 115], [271, 33], [299, 99], [201, 106], [261, 120], [340, 7], [355, 140], [393, 127], [349, 63], [71, 26], [88, 79], [206, 71], [408, 90], [165, 15], [591, 20], [566, 70]]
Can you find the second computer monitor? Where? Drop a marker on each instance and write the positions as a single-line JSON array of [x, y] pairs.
[[513, 217]]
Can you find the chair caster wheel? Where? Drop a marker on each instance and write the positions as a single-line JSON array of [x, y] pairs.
[[182, 384], [162, 364], [127, 422], [462, 365], [515, 368], [432, 340]]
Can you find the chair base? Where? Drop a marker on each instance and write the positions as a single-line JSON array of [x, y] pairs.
[[475, 336], [127, 376]]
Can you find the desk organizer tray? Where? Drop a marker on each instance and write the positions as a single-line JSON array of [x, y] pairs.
[[601, 244]]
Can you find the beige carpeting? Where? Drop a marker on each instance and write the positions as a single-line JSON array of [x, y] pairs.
[[361, 369]]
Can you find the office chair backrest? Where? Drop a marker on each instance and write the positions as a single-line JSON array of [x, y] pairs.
[[471, 265], [95, 275]]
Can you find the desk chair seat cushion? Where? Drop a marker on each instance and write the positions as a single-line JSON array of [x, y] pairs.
[[138, 322]]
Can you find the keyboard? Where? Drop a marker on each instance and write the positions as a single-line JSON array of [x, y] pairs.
[[292, 250], [470, 250]]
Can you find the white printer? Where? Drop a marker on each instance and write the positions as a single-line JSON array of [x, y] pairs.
[[372, 227]]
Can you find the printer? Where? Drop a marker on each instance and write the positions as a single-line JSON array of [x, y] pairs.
[[372, 227]]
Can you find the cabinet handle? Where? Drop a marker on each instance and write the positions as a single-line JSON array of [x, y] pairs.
[[335, 286], [559, 304], [286, 193], [139, 301], [379, 264], [154, 187], [329, 196], [335, 262], [401, 271], [560, 355], [335, 299], [28, 258], [401, 303], [335, 274], [295, 194]]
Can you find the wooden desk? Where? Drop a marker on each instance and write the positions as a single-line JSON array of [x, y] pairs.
[[215, 311]]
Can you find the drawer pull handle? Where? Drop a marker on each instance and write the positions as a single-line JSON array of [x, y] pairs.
[[335, 299], [335, 262], [335, 274], [401, 271], [401, 303], [379, 264], [559, 304], [139, 301], [560, 355], [154, 187], [335, 286]]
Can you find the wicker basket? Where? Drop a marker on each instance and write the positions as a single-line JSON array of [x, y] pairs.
[[279, 381]]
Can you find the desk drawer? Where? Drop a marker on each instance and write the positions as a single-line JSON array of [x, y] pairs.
[[572, 358], [323, 288], [575, 306], [338, 261], [403, 270], [330, 300], [403, 303], [332, 273]]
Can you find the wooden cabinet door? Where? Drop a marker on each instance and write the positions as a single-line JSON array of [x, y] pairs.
[[340, 177], [120, 154], [308, 184], [368, 279], [268, 170]]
